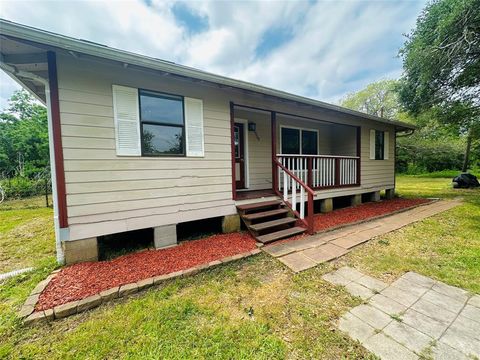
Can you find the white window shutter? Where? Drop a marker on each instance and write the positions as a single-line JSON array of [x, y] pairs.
[[194, 127], [386, 146], [127, 120], [372, 144]]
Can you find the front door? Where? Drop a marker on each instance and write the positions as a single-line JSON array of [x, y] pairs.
[[238, 133]]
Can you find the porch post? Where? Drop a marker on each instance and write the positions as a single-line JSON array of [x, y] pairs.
[[273, 116], [232, 134], [359, 152]]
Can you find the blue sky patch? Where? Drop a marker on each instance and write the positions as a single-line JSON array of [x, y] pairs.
[[185, 17], [271, 39]]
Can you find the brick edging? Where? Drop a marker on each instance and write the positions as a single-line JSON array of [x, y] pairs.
[[30, 316]]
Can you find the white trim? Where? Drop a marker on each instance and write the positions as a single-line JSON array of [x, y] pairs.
[[245, 151], [300, 142]]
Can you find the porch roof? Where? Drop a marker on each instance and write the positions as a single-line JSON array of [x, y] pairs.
[[49, 40]]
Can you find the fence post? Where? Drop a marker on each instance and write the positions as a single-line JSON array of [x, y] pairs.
[[46, 191]]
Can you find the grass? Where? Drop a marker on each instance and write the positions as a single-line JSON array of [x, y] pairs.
[[445, 173], [445, 247], [253, 308]]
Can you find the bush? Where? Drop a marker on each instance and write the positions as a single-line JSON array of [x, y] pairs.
[[417, 156], [21, 187]]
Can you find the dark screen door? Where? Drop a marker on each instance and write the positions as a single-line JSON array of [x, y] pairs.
[[239, 155]]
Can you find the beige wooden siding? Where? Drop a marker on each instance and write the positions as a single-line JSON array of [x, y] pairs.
[[108, 194]]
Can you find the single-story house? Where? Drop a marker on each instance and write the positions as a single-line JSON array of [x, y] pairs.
[[138, 142]]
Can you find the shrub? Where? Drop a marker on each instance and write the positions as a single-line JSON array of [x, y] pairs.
[[21, 187], [416, 156]]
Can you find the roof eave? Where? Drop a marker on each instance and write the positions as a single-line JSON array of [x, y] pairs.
[[70, 44]]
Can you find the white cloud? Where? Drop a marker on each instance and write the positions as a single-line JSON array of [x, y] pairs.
[[337, 47]]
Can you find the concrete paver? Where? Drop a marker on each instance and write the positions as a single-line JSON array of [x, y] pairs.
[[356, 328], [297, 261], [372, 283], [388, 349], [387, 305], [330, 245], [372, 316], [413, 317], [409, 337], [359, 290]]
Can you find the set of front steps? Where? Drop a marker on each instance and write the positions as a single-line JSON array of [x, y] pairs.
[[269, 221]]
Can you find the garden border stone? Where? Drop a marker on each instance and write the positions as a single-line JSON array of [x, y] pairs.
[[30, 316]]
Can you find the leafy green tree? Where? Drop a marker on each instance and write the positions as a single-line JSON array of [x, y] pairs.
[[441, 61], [378, 98], [23, 136]]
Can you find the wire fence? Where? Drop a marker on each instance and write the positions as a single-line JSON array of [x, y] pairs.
[[15, 186]]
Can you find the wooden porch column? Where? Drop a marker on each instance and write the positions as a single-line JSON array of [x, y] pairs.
[[232, 134], [273, 116], [359, 152]]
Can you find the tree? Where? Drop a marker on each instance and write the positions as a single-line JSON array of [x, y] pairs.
[[441, 61], [23, 136], [378, 98]]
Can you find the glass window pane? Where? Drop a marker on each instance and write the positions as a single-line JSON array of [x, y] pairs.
[[379, 144], [159, 139], [161, 108], [290, 141], [309, 142], [236, 138]]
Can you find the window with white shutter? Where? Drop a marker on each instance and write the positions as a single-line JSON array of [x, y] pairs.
[[372, 144], [386, 145], [127, 126], [194, 127]]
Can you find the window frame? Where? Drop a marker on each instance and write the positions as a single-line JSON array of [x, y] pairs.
[[162, 95], [382, 147], [300, 129]]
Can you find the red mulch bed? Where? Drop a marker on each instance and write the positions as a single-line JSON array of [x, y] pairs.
[[363, 212], [82, 280]]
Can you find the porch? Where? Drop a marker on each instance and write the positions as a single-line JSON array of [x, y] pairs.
[[294, 158]]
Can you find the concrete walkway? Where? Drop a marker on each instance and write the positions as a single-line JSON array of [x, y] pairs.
[[308, 252], [413, 317]]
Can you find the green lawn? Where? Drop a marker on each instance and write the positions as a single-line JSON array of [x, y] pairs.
[[208, 315]]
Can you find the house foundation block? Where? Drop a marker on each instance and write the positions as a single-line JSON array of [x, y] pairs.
[[356, 200], [164, 236], [390, 193], [231, 223], [80, 250], [375, 196], [326, 205]]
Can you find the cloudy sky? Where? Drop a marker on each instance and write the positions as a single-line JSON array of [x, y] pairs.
[[319, 49]]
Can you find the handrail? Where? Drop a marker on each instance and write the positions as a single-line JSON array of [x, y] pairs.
[[292, 205], [295, 177], [319, 156]]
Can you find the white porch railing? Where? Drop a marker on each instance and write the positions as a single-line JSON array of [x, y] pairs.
[[296, 195], [320, 171]]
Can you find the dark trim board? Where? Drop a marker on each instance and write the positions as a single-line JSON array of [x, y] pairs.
[[57, 140], [232, 140]]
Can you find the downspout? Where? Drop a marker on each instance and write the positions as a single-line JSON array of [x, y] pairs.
[[25, 74]]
